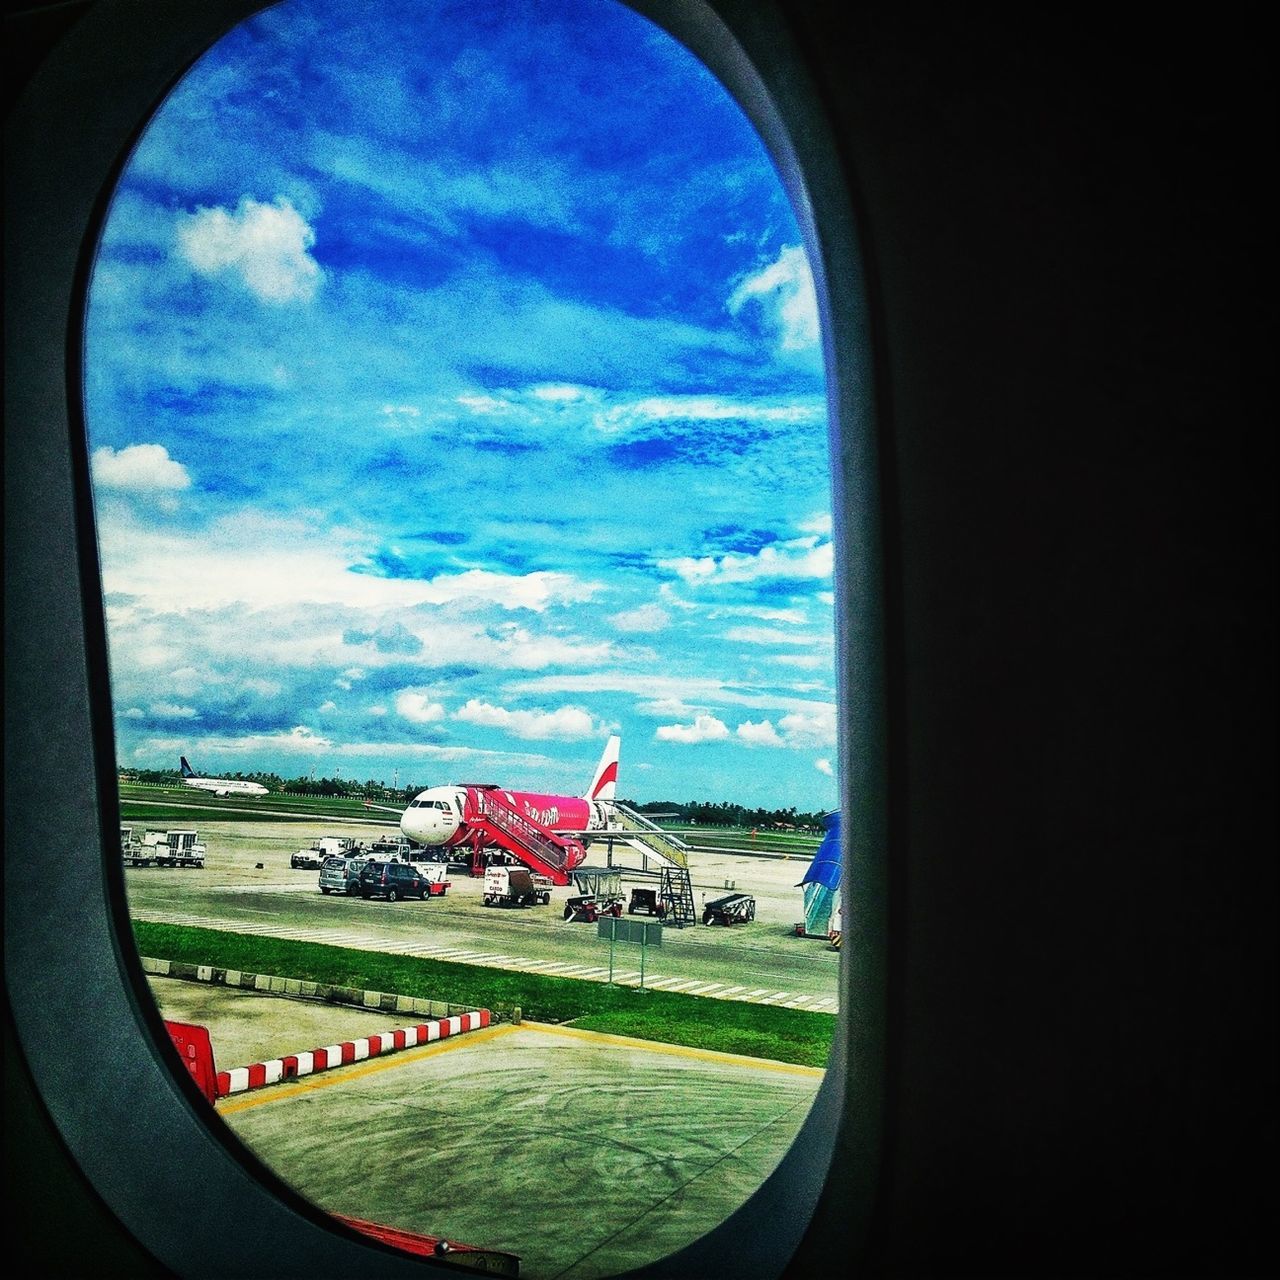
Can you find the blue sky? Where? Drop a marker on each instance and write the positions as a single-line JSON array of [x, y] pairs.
[[455, 399]]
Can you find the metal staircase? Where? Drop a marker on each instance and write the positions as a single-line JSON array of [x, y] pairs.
[[639, 831], [677, 894], [554, 856]]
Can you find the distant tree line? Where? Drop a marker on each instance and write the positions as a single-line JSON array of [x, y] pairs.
[[703, 813], [706, 813]]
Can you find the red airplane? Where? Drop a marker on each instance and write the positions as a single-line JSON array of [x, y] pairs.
[[544, 831]]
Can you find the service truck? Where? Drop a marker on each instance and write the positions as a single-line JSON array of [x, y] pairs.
[[180, 848], [514, 887], [326, 847]]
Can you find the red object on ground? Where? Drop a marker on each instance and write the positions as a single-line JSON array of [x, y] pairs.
[[196, 1051], [495, 1262]]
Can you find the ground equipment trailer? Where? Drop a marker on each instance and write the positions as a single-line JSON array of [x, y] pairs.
[[586, 909], [599, 894], [733, 908], [132, 850], [181, 848], [514, 887]]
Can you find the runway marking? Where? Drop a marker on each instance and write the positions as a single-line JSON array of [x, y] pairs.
[[674, 1050], [462, 955]]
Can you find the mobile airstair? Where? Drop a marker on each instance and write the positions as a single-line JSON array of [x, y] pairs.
[[489, 814], [673, 856]]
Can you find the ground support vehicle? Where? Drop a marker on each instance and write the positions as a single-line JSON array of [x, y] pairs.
[[131, 849], [599, 894], [393, 847], [181, 848], [587, 909], [341, 874], [434, 874], [646, 902], [325, 847], [733, 908], [514, 887], [392, 880]]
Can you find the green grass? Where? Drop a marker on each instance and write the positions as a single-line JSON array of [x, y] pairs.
[[185, 806], [796, 845], [758, 1031]]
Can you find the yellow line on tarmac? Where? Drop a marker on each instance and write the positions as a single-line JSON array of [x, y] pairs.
[[678, 1050], [331, 1076]]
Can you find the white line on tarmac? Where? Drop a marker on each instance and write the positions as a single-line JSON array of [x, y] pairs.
[[552, 968]]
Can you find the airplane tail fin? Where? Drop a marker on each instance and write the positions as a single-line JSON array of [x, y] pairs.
[[603, 784], [187, 770]]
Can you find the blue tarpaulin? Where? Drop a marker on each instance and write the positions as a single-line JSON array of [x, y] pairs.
[[825, 867], [822, 880]]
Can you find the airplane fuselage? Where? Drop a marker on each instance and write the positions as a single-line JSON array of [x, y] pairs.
[[227, 786], [437, 817]]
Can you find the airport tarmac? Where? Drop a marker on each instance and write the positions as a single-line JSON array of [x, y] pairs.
[[247, 885], [586, 1155]]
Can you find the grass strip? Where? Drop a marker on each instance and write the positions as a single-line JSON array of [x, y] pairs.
[[726, 1026]]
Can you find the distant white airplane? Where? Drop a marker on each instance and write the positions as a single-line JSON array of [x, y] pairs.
[[220, 786]]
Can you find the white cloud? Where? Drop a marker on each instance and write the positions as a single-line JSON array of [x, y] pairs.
[[401, 411], [556, 391], [783, 289], [663, 707], [648, 617], [139, 468], [294, 563], [759, 735], [824, 766], [767, 635], [703, 690], [797, 558], [417, 707], [298, 740], [171, 711], [484, 404], [264, 688], [328, 706], [262, 246], [567, 723], [810, 730], [135, 713], [651, 409], [705, 728]]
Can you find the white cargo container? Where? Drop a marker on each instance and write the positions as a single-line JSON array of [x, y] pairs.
[[514, 887]]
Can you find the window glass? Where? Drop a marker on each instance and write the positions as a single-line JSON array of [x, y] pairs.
[[456, 405]]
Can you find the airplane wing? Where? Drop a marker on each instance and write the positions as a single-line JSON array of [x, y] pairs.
[[368, 804]]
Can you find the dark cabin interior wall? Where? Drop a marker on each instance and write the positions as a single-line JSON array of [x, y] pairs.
[[1071, 283]]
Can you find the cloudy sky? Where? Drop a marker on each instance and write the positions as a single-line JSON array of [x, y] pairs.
[[455, 399]]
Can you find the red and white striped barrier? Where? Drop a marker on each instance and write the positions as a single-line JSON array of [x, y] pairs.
[[296, 1065]]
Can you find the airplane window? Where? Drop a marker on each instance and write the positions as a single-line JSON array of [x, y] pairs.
[[626, 341]]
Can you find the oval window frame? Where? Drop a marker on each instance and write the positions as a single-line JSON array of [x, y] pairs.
[[77, 986]]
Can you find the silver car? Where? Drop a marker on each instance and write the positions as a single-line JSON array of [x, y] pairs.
[[341, 874]]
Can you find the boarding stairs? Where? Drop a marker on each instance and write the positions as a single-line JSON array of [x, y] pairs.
[[490, 814], [637, 830], [677, 895], [673, 856]]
